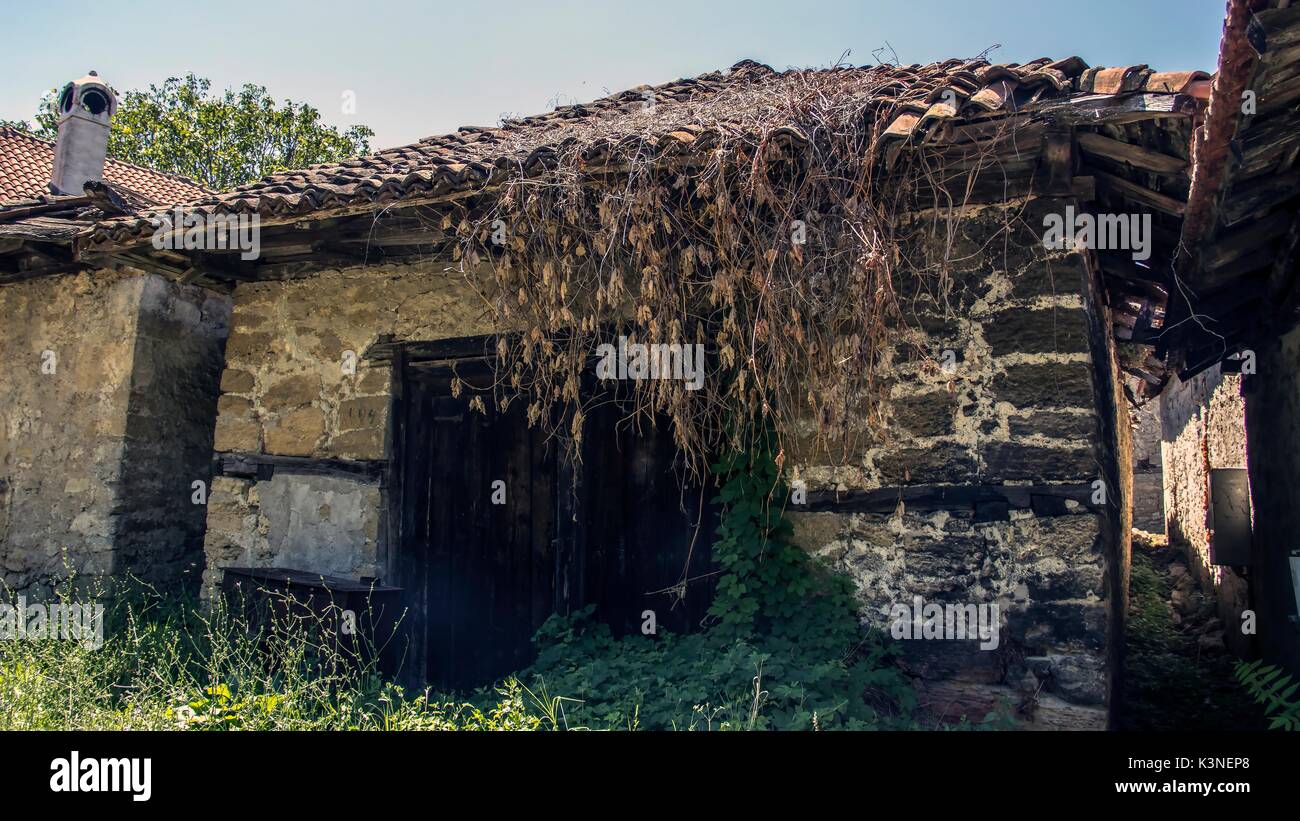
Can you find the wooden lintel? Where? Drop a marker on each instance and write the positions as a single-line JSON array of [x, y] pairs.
[[947, 497], [385, 347], [150, 264], [262, 466], [41, 271]]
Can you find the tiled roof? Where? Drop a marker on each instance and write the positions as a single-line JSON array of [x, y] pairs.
[[26, 163], [686, 117]]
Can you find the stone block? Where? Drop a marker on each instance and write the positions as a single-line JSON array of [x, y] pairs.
[[1045, 385], [1053, 424], [927, 414], [1048, 276], [366, 412], [234, 380], [367, 443], [296, 433], [236, 434], [292, 392], [1012, 461], [945, 463], [1045, 330]]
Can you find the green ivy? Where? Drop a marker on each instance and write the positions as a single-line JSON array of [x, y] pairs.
[[784, 649]]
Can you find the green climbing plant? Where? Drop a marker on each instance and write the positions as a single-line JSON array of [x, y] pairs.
[[783, 648]]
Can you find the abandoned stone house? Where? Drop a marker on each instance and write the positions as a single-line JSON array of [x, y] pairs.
[[316, 390]]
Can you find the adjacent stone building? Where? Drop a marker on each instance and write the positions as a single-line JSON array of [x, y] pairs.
[[111, 376], [107, 414]]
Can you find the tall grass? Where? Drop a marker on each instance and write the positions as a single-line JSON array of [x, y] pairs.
[[173, 663]]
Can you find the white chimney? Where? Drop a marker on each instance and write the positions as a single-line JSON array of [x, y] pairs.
[[84, 109]]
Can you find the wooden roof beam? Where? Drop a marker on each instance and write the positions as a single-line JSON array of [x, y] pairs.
[[1100, 145], [1140, 194], [1274, 29]]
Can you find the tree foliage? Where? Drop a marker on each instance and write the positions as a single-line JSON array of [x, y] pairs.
[[218, 140]]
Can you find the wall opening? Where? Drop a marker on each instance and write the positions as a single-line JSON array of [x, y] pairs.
[[498, 527]]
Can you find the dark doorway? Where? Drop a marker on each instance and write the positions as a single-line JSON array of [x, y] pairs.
[[643, 531], [499, 528]]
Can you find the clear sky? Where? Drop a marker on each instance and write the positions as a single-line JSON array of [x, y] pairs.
[[421, 68]]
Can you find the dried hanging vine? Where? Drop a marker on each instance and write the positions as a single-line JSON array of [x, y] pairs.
[[769, 233]]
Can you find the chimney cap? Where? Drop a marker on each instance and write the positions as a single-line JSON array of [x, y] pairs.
[[89, 93]]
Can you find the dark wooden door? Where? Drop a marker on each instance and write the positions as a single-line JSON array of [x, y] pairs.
[[645, 526], [483, 511], [481, 575]]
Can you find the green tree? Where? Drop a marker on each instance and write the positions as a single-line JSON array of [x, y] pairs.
[[218, 140]]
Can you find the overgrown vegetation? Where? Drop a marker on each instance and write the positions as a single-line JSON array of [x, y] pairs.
[[1169, 684], [168, 663], [1272, 687], [783, 649]]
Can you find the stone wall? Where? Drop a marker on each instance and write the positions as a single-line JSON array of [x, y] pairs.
[[1203, 427], [294, 385], [287, 389], [103, 390], [67, 347], [327, 524], [1019, 408], [179, 341]]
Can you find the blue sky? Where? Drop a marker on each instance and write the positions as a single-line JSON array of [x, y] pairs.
[[420, 68]]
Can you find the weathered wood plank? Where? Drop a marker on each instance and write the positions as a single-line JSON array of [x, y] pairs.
[[1121, 265], [1141, 194], [1273, 29], [264, 465], [1115, 109], [1232, 245], [1134, 155], [1258, 198], [940, 497]]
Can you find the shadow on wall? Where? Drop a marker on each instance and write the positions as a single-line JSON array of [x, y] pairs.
[[172, 409]]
